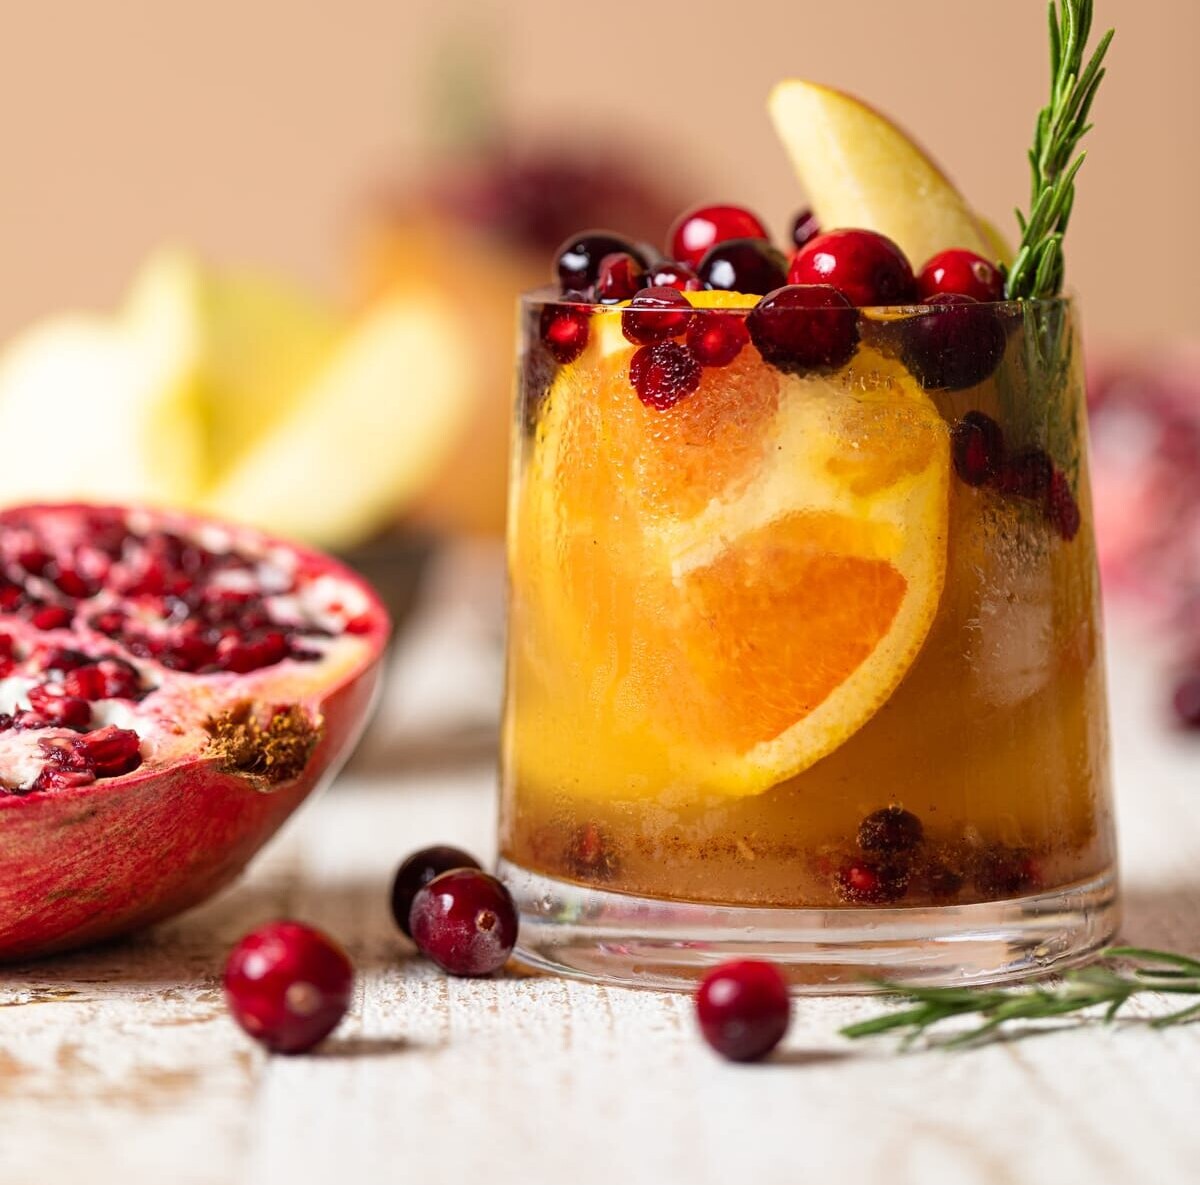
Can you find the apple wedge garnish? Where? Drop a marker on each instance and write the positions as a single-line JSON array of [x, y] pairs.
[[860, 170]]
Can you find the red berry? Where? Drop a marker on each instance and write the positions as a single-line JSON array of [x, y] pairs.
[[752, 266], [564, 331], [1185, 700], [977, 445], [1003, 871], [804, 228], [957, 344], [668, 313], [1026, 474], [697, 230], [716, 339], [578, 261], [465, 921], [50, 617], [670, 274], [892, 829], [662, 375], [865, 267], [109, 751], [743, 1009], [865, 882], [961, 273], [417, 871], [801, 328], [288, 985], [85, 683], [620, 277], [1061, 508]]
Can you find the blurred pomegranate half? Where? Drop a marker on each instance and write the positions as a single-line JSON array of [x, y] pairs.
[[171, 688]]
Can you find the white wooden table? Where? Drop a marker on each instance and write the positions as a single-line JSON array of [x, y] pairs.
[[121, 1065]]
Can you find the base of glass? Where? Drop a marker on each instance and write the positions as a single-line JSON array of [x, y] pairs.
[[616, 938]]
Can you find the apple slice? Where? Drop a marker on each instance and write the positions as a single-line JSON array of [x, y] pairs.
[[860, 170]]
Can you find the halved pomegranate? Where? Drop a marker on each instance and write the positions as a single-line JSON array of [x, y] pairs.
[[171, 689]]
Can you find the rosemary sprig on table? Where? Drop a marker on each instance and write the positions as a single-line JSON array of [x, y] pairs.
[[1037, 271], [1098, 986]]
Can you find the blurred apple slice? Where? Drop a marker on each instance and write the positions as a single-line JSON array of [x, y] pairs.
[[860, 170], [366, 433]]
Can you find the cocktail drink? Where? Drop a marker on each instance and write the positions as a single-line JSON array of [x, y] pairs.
[[804, 654]]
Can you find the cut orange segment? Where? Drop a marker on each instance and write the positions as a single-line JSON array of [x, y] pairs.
[[732, 587]]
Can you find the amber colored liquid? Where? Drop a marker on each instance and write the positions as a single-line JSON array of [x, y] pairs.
[[996, 738]]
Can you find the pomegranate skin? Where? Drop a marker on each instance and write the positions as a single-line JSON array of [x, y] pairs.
[[87, 863]]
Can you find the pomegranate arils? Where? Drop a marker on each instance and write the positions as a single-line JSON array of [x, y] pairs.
[[288, 985], [868, 882], [962, 273], [86, 683], [801, 328], [465, 921], [417, 871], [751, 266], [805, 228], [564, 331], [744, 1009], [957, 344], [110, 751], [234, 654], [1062, 510], [49, 617], [891, 830], [977, 446], [52, 778], [671, 274], [716, 339], [619, 277], [662, 375], [865, 267], [57, 709], [697, 230], [578, 260], [655, 315], [1026, 474]]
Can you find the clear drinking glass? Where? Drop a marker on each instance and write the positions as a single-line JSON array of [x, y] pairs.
[[805, 656]]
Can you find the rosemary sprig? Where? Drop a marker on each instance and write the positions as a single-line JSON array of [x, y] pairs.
[[1098, 986], [1037, 271]]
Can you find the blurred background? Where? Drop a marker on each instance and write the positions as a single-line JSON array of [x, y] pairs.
[[318, 216]]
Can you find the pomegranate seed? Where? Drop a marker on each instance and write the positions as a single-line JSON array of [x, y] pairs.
[[797, 329], [619, 277], [868, 883], [51, 778], [1185, 700], [185, 652], [744, 1009], [589, 854], [865, 267], [697, 230], [1061, 508], [121, 679], [11, 597], [956, 345], [1027, 474], [86, 683], [50, 617], [62, 658], [417, 871], [578, 261], [64, 711], [664, 374], [6, 721], [564, 332], [110, 623], [465, 921], [288, 985], [892, 829], [34, 560], [961, 273], [6, 646], [110, 751], [751, 266], [72, 584], [977, 445], [239, 656], [667, 315], [804, 228], [672, 274], [716, 339]]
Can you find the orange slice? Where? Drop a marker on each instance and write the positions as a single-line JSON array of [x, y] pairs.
[[713, 597]]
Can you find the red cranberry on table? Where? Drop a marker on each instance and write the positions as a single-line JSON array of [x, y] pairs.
[[960, 273], [465, 921], [805, 228], [655, 315], [865, 267], [799, 328], [716, 339], [977, 447], [417, 871], [578, 259], [563, 329], [744, 1009], [288, 985], [697, 230], [669, 273], [752, 266], [619, 277], [664, 374], [956, 345]]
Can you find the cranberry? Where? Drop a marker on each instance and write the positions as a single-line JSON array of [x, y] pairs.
[[662, 375], [716, 339], [977, 445], [465, 921], [961, 273], [620, 276], [1185, 700], [743, 1009], [865, 267], [699, 229], [578, 260], [288, 985], [1061, 508], [417, 871], [892, 829], [1026, 474], [955, 345], [670, 274], [867, 882], [668, 313], [564, 332], [752, 266], [797, 329], [804, 228]]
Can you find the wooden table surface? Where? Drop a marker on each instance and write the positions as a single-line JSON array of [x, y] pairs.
[[120, 1065]]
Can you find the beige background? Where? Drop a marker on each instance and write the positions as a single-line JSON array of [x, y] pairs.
[[251, 128]]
